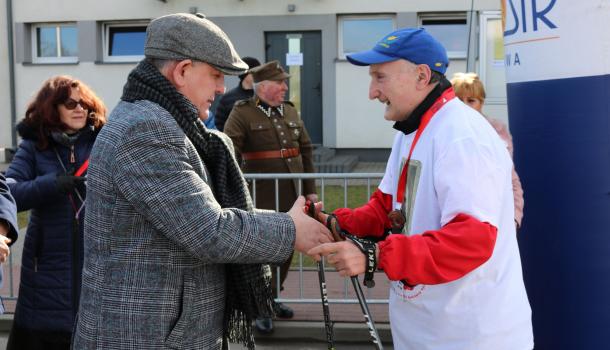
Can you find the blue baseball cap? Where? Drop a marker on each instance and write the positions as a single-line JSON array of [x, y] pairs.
[[412, 44]]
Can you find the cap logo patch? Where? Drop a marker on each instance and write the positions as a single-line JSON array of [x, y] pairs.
[[438, 64], [386, 42]]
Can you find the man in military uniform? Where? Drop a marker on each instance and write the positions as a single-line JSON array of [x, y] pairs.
[[270, 137]]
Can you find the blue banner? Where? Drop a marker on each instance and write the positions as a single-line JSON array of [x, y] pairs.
[[557, 57]]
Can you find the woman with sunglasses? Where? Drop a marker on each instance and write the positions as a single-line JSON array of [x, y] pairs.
[[47, 177]]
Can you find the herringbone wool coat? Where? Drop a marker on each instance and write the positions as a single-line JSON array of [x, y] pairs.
[[156, 241]]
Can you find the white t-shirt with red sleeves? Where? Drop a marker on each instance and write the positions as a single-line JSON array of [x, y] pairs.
[[460, 165]]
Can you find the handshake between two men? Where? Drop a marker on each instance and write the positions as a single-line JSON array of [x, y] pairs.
[[318, 234]]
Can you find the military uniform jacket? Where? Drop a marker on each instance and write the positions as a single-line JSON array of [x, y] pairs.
[[253, 131], [156, 240]]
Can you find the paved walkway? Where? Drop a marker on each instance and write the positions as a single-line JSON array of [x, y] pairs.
[[369, 167], [339, 291], [345, 313]]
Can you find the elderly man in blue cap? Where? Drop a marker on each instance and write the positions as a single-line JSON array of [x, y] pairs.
[[443, 211]]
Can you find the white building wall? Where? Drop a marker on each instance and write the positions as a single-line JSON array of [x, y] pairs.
[[5, 98], [60, 10], [106, 80], [358, 122]]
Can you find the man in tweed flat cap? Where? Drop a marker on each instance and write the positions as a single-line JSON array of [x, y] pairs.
[[174, 250]]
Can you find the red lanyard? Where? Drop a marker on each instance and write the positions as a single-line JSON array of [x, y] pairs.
[[447, 96], [82, 168]]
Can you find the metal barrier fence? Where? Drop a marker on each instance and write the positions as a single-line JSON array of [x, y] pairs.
[[343, 180]]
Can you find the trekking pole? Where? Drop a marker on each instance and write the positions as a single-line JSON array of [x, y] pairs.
[[325, 309], [311, 211], [339, 234], [367, 314]]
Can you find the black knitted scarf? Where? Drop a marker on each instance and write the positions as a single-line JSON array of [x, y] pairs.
[[249, 292]]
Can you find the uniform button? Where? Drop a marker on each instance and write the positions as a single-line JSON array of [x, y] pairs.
[[274, 120], [260, 126], [279, 126], [284, 141], [289, 159], [282, 133]]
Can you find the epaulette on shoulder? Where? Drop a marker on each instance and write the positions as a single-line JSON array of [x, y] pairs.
[[289, 103], [241, 102]]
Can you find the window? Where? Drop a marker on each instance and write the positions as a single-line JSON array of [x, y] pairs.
[[55, 43], [450, 30], [359, 33], [124, 42], [491, 61]]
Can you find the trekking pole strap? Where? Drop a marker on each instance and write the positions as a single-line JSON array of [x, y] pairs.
[[369, 249], [366, 246]]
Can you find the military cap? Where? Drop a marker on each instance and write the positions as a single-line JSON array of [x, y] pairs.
[[269, 71], [181, 36]]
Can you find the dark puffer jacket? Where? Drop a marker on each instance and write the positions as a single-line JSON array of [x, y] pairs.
[[225, 105], [52, 259]]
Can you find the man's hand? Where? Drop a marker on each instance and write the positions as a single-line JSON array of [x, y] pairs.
[[4, 249], [4, 228], [309, 232], [345, 256]]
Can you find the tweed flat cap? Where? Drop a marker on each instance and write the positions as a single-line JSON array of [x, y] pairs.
[[183, 36], [269, 71]]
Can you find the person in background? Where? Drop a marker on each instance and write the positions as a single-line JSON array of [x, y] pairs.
[[270, 137], [47, 177], [243, 91], [210, 123], [469, 88], [175, 253], [443, 213], [8, 225]]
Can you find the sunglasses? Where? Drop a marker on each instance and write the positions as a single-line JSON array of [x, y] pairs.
[[71, 104]]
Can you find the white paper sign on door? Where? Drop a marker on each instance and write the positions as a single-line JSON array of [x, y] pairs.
[[294, 59]]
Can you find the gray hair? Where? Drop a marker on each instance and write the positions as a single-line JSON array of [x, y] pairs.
[[159, 63]]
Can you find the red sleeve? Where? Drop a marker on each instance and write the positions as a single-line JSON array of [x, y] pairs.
[[441, 256], [370, 219]]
